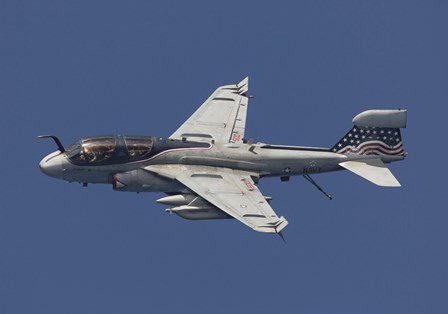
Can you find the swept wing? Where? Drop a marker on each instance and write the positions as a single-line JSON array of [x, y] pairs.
[[232, 191], [222, 117]]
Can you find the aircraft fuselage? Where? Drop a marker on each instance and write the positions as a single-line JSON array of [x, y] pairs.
[[209, 171], [260, 159]]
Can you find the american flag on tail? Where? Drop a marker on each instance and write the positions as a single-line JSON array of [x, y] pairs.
[[371, 141]]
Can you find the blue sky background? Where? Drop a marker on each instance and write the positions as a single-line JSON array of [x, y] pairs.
[[79, 68]]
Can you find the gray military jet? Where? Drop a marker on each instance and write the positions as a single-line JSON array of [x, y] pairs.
[[209, 171]]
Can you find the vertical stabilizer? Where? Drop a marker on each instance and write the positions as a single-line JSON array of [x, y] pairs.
[[375, 132]]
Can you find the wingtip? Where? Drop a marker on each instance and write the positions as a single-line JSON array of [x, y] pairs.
[[243, 86], [281, 236]]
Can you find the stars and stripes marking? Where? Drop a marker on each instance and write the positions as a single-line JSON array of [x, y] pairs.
[[373, 141]]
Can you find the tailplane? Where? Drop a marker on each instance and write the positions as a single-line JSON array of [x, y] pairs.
[[372, 170]]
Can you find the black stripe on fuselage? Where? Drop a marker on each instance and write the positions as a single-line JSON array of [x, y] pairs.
[[163, 144], [297, 148]]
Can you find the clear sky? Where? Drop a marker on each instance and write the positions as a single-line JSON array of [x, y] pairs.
[[79, 68]]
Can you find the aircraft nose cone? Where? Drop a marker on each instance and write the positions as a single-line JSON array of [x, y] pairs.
[[51, 165]]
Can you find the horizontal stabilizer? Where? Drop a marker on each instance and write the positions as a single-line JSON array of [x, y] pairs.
[[373, 170]]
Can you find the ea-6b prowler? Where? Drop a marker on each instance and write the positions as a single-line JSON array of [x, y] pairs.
[[209, 171]]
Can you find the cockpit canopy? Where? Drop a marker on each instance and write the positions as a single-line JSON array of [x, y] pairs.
[[106, 150]]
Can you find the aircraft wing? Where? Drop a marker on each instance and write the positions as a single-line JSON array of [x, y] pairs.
[[232, 191], [222, 117]]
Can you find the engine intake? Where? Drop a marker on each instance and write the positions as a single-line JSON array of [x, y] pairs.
[[141, 180]]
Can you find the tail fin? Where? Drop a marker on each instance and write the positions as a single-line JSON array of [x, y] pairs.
[[375, 132]]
